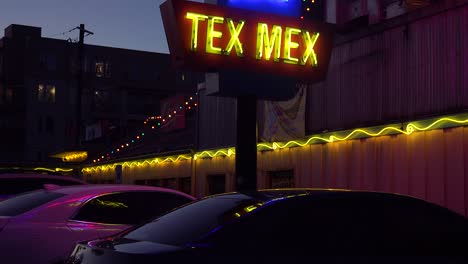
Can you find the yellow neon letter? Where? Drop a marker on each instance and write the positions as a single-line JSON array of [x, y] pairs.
[[235, 42], [195, 18], [309, 52], [273, 41], [211, 33], [289, 44]]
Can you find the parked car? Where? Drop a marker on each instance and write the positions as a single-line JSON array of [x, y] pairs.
[[12, 184], [279, 226], [43, 226]]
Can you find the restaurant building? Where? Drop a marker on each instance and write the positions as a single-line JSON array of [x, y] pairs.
[[390, 116]]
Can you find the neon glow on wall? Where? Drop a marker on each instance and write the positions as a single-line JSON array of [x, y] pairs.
[[410, 128]]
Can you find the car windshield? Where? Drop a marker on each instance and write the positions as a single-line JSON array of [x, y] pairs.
[[25, 202], [193, 221]]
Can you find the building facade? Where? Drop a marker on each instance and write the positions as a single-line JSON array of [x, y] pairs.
[[39, 85]]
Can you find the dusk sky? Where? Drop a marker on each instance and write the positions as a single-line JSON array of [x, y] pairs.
[[130, 24]]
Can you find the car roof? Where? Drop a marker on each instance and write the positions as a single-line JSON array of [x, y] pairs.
[[274, 194], [75, 195], [100, 188], [39, 176]]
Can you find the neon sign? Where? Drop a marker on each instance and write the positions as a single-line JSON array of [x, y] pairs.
[[210, 38]]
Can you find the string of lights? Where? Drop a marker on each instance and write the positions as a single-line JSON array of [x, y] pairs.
[[151, 122], [312, 10]]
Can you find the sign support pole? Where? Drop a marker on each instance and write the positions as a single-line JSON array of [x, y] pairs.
[[246, 143]]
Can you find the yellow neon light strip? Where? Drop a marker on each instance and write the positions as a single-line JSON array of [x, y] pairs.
[[452, 121], [52, 170], [410, 128]]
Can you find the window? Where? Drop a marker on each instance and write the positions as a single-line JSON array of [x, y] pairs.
[[170, 183], [281, 179], [99, 69], [185, 185], [25, 202], [50, 94], [39, 124], [48, 61], [1, 63], [108, 69], [102, 69], [40, 92], [2, 92], [216, 184], [50, 127], [129, 207], [9, 95], [190, 222], [46, 93]]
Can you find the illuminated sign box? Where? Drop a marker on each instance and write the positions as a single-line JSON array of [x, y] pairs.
[[281, 7], [208, 37]]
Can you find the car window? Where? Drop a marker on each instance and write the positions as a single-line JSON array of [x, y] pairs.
[[277, 227], [190, 222], [129, 207], [26, 202]]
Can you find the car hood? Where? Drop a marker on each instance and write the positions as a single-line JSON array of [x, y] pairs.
[[122, 251]]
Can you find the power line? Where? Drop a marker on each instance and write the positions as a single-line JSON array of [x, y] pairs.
[[61, 33]]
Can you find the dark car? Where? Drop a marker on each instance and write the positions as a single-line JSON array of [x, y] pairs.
[[274, 226], [12, 184]]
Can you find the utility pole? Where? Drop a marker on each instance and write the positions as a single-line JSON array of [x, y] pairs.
[[79, 121]]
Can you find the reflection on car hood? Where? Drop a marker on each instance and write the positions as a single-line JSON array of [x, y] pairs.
[[125, 245], [120, 251]]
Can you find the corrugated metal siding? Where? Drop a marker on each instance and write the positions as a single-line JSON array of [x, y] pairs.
[[217, 121], [403, 73], [431, 165]]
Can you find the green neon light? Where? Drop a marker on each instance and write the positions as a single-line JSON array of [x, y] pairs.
[[422, 125]]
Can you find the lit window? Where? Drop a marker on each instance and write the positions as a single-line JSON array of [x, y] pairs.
[[40, 92], [46, 93], [103, 69], [50, 94], [99, 69]]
